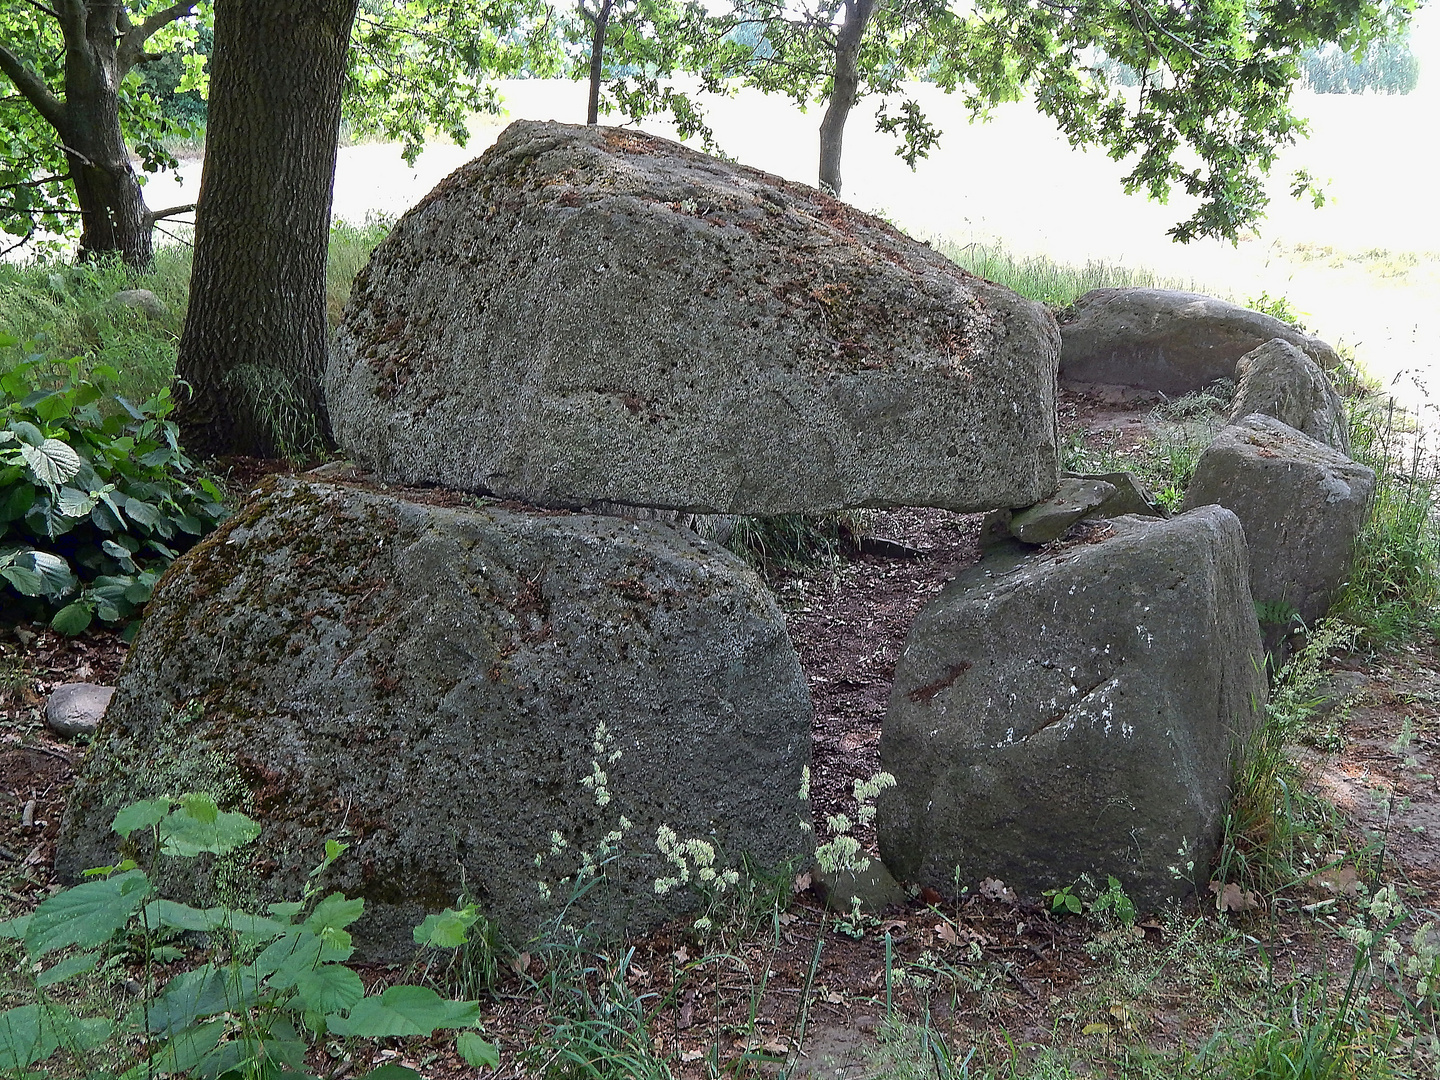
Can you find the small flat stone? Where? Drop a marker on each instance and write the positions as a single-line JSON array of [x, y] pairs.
[[143, 301], [873, 886], [1131, 496], [1048, 520], [76, 708]]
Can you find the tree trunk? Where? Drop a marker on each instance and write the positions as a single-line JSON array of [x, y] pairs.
[[113, 215], [846, 89], [254, 345], [597, 58]]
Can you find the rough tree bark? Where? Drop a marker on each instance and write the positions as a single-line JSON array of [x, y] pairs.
[[252, 355], [599, 20], [101, 46], [846, 88]]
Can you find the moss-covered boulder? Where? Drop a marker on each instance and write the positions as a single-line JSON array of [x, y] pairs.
[[486, 699], [1076, 710], [595, 314]]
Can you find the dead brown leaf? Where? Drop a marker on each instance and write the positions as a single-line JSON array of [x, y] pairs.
[[1230, 897], [1340, 880], [995, 889]]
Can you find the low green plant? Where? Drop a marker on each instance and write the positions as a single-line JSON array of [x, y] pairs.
[[1277, 307], [1064, 901], [1393, 591], [1046, 281], [790, 542], [268, 990], [96, 495], [1108, 905], [1277, 832]]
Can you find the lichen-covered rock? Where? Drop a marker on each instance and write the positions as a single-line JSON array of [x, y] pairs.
[[76, 708], [1161, 339], [479, 699], [1279, 380], [595, 314], [1131, 496], [1302, 504], [1078, 711], [1047, 520]]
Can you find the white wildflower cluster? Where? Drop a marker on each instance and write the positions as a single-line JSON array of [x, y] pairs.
[[843, 852], [1372, 932], [693, 860], [598, 784], [1423, 963], [591, 862], [867, 791], [1184, 869]]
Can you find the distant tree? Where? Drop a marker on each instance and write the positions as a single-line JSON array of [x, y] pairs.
[[1208, 115], [1384, 67], [77, 112]]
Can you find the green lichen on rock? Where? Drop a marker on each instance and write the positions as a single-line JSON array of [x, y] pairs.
[[586, 314], [433, 680]]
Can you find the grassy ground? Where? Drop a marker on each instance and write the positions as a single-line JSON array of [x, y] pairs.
[[59, 310], [1056, 284]]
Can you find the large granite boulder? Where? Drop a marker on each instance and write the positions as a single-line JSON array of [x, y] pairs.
[[1279, 380], [1076, 711], [1301, 502], [481, 699], [1161, 339], [591, 314]]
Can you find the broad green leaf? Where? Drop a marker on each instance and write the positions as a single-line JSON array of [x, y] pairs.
[[15, 502], [75, 503], [445, 929], [53, 461], [477, 1052], [27, 582], [45, 518], [336, 911], [142, 513], [25, 1038], [391, 1071], [183, 916], [28, 433], [54, 570], [287, 910], [200, 806], [81, 1033], [196, 827], [87, 915], [329, 988], [286, 958], [254, 929], [183, 1052], [140, 815], [68, 968], [194, 995], [72, 619], [106, 516], [404, 1010], [15, 928]]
